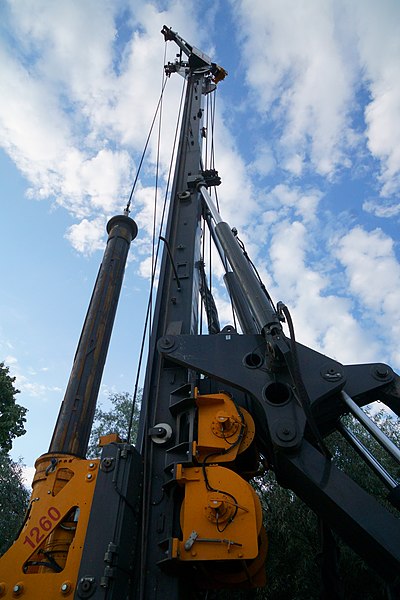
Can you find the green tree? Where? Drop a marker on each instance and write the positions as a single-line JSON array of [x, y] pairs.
[[13, 500], [13, 494], [12, 415], [114, 420]]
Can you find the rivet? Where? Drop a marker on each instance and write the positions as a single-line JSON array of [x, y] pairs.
[[18, 589], [65, 587]]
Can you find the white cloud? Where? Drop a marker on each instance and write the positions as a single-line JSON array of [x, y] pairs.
[[33, 130], [322, 320], [10, 360], [364, 253], [77, 101], [265, 162], [306, 63], [237, 198], [25, 382], [40, 134], [382, 208], [300, 76], [303, 202], [36, 390], [373, 274], [87, 236], [146, 268], [71, 45], [379, 50]]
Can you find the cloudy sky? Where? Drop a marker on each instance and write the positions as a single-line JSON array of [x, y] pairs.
[[307, 144]]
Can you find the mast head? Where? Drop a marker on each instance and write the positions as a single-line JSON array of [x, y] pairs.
[[197, 60]]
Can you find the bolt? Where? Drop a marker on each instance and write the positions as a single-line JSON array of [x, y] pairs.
[[65, 587], [382, 372], [167, 342], [285, 432], [18, 589], [89, 476], [91, 465], [331, 374]]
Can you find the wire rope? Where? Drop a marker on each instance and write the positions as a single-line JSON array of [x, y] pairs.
[[148, 316], [203, 254], [210, 120], [149, 302], [206, 130], [129, 203], [156, 181]]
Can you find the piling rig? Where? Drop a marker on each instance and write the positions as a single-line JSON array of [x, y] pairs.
[[176, 516]]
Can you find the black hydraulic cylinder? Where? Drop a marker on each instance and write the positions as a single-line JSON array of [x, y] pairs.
[[240, 303], [261, 308], [75, 419]]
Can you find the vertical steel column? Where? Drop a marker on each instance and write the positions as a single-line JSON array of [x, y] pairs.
[[74, 423], [176, 311]]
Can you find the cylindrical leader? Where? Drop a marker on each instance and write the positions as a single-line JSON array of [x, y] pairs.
[[74, 423]]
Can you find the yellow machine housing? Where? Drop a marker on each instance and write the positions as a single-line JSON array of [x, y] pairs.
[[47, 553], [223, 430], [220, 523], [221, 515]]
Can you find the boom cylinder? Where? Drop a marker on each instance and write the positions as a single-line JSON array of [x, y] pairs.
[[245, 279], [75, 419], [262, 309]]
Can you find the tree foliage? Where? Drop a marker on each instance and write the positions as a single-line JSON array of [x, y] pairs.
[[114, 420], [293, 564], [13, 500], [12, 415], [13, 494]]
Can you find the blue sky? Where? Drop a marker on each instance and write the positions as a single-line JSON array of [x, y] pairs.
[[307, 130]]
